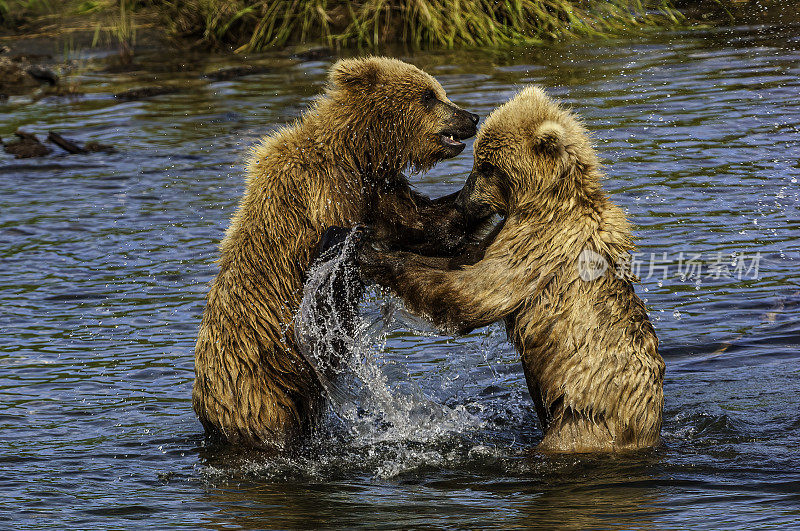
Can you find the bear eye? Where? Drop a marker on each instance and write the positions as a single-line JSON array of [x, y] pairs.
[[428, 97]]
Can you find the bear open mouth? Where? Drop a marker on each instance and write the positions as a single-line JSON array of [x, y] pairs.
[[451, 139]]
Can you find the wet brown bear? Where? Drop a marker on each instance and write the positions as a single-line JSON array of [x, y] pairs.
[[589, 352], [340, 164]]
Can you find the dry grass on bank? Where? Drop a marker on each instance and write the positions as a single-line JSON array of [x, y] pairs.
[[257, 24]]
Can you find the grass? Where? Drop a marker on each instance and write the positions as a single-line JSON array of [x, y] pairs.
[[247, 25], [122, 30], [10, 10], [257, 24], [112, 21]]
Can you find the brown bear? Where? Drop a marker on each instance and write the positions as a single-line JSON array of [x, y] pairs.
[[340, 164], [589, 352]]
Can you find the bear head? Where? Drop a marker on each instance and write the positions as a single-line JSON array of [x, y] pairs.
[[528, 148], [396, 115]]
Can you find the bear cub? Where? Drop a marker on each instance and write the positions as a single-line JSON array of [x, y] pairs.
[[341, 163], [589, 352]]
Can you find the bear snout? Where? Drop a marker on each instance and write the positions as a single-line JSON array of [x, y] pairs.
[[460, 124], [469, 207], [464, 123]]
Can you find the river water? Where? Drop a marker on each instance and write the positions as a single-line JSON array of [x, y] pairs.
[[106, 260]]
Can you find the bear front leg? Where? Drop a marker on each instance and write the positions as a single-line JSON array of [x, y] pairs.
[[448, 231], [405, 220], [457, 300]]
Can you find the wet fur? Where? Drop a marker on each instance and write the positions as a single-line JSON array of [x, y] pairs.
[[589, 352], [340, 164]]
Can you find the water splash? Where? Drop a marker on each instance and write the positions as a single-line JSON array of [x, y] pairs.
[[342, 334]]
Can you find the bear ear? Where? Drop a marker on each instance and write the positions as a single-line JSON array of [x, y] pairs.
[[549, 137], [354, 73]]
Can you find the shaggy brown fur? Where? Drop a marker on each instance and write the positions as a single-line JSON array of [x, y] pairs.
[[589, 352], [340, 164]]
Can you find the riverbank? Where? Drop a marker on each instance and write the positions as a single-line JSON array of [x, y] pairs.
[[253, 25]]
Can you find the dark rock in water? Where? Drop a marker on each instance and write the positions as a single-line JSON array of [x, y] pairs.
[[144, 92], [233, 72], [73, 148], [18, 76], [43, 75], [14, 79], [314, 54], [28, 146], [94, 147], [25, 136], [4, 49]]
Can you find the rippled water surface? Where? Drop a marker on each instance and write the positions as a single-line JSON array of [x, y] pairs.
[[106, 260]]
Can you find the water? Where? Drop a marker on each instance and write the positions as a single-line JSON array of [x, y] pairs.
[[106, 260], [344, 343]]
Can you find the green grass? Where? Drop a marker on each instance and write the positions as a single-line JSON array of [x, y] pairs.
[[257, 24], [13, 10]]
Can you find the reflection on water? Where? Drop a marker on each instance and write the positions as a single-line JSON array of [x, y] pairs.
[[106, 260]]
